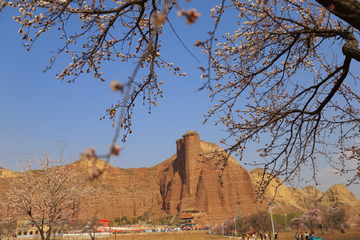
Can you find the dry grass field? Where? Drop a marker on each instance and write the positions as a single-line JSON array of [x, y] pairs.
[[351, 235], [200, 235], [191, 235]]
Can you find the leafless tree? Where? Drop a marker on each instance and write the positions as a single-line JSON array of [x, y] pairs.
[[260, 221], [336, 218], [126, 30], [282, 79], [296, 223], [7, 230], [242, 225], [91, 226], [47, 196]]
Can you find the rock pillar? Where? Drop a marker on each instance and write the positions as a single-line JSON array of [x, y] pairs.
[[188, 149]]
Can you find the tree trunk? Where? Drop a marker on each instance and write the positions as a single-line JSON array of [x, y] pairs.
[[347, 10]]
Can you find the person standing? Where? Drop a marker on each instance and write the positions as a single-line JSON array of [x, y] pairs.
[[296, 236], [306, 236]]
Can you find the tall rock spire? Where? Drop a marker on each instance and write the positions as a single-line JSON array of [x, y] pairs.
[[189, 153], [190, 182]]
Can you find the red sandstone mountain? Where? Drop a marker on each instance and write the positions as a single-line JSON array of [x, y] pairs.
[[190, 181], [185, 181]]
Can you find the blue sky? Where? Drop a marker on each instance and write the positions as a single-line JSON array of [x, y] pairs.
[[36, 110]]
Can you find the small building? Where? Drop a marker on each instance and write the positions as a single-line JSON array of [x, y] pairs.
[[28, 228], [186, 219]]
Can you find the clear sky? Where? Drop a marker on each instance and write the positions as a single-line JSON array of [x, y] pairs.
[[36, 110]]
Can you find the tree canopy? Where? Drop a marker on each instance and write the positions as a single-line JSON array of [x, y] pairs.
[[336, 218], [275, 42], [47, 196], [282, 79], [311, 219], [260, 221]]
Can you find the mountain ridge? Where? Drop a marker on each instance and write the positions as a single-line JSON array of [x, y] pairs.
[[192, 179], [293, 199]]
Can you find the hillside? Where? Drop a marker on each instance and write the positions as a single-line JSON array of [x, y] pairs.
[[185, 181], [194, 178], [296, 200]]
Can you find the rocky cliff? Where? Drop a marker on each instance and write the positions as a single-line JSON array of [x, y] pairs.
[[194, 178], [186, 181], [291, 199], [296, 200], [339, 195]]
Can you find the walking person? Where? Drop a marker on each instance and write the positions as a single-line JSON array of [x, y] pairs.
[[312, 236]]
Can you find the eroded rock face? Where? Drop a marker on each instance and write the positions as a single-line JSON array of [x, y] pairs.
[[291, 199], [312, 192], [6, 173], [340, 195], [125, 192], [295, 200], [185, 181], [188, 180], [191, 182]]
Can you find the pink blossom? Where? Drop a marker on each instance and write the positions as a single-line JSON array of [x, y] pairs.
[[191, 15], [197, 43], [88, 153], [115, 149], [115, 85], [158, 19]]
